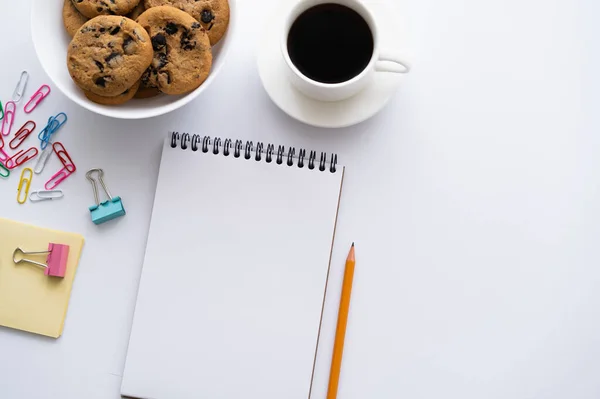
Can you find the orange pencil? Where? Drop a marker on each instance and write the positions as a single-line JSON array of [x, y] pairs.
[[340, 334]]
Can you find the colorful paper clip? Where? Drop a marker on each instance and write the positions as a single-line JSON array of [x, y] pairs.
[[3, 155], [22, 134], [68, 167], [64, 156], [58, 178], [1, 111], [54, 123], [24, 181], [56, 262], [21, 86], [37, 98], [42, 160], [45, 195], [9, 118], [4, 172], [104, 211], [21, 157]]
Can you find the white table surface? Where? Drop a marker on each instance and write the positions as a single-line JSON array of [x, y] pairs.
[[473, 199]]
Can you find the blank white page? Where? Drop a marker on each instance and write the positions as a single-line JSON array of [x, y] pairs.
[[234, 279]]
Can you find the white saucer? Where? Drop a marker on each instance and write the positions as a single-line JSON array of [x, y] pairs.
[[352, 111]]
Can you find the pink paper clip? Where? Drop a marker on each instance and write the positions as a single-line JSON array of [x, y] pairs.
[[58, 178], [3, 155], [21, 157], [22, 134], [37, 98], [9, 117], [56, 262], [68, 169]]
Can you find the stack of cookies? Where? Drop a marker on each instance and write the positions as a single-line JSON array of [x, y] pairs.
[[123, 49]]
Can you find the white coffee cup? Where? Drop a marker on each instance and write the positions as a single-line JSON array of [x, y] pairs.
[[381, 61]]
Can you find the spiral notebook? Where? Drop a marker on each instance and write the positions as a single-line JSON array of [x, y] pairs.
[[235, 273]]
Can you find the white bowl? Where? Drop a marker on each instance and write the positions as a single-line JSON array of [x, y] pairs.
[[51, 41]]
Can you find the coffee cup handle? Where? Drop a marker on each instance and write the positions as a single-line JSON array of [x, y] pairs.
[[391, 63]]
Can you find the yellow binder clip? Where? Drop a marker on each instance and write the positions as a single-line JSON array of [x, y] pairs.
[[25, 181]]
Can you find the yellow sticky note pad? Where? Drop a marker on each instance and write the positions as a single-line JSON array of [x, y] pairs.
[[29, 300]]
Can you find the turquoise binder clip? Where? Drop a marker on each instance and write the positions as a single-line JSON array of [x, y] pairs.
[[108, 210]]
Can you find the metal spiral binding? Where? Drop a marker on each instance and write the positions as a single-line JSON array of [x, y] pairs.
[[259, 151], [227, 147]]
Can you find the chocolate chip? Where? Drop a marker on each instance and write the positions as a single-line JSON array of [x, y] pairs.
[[159, 60], [146, 78], [101, 81], [158, 42], [115, 30], [171, 28], [129, 45], [111, 56], [113, 59], [99, 65], [164, 78], [196, 25], [100, 9], [186, 41], [102, 30], [206, 16]]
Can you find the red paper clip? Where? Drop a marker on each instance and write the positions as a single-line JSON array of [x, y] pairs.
[[21, 157], [68, 170], [64, 156], [9, 117], [37, 98], [22, 134]]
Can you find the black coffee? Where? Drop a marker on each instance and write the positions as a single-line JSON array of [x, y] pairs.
[[330, 43]]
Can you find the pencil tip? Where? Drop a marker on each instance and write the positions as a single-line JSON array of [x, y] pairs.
[[352, 244]]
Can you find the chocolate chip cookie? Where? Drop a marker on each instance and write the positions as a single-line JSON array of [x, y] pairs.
[[212, 14], [147, 92], [117, 100], [109, 54], [93, 8], [137, 11], [182, 52], [72, 19]]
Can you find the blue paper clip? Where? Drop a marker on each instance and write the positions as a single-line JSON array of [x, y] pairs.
[[54, 123], [108, 210]]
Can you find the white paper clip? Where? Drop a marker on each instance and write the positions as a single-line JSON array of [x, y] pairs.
[[45, 195], [21, 86], [42, 160]]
